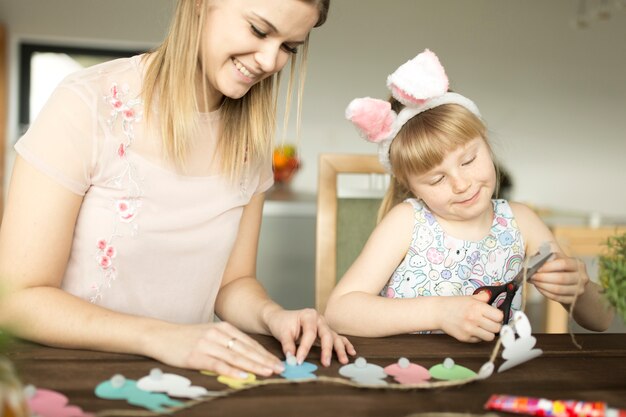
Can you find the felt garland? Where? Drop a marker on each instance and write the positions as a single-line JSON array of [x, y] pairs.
[[485, 372]]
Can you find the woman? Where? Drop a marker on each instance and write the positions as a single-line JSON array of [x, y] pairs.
[[135, 204]]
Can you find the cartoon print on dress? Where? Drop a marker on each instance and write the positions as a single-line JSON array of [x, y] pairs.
[[501, 221], [495, 264], [513, 266], [434, 255], [488, 243], [125, 208], [430, 218], [410, 280], [450, 272], [433, 275], [464, 272], [476, 283], [456, 251], [416, 260], [506, 239], [424, 291], [424, 238], [473, 258], [448, 288]]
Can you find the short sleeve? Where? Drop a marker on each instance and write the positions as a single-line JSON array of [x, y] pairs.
[[60, 142]]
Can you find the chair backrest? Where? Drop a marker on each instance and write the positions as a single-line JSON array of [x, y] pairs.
[[333, 234], [579, 242]]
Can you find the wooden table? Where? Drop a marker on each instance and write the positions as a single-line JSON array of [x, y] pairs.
[[595, 373]]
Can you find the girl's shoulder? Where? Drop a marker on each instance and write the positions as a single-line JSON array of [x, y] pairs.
[[527, 219], [521, 211], [415, 203], [401, 214]]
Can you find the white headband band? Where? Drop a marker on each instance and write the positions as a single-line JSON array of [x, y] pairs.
[[420, 84]]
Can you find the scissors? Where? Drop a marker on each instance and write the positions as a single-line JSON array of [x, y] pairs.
[[510, 288]]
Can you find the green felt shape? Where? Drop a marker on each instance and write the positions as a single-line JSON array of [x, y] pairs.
[[449, 371]]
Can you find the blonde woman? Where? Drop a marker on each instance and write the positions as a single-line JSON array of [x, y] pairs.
[[135, 203]]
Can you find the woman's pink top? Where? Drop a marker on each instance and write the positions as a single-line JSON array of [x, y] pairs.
[[149, 240]]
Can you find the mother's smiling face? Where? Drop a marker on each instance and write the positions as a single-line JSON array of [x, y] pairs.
[[246, 41]]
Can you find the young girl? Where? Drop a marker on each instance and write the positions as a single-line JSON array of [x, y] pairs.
[[442, 236], [135, 203]]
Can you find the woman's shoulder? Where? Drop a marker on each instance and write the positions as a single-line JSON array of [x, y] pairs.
[[98, 80], [114, 67]]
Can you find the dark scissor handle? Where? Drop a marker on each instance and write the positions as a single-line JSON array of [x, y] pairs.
[[494, 292]]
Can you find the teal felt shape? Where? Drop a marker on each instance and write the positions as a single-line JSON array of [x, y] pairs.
[[128, 391], [295, 372]]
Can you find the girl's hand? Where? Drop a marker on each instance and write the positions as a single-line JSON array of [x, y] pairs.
[[218, 347], [307, 326], [561, 279], [470, 318]]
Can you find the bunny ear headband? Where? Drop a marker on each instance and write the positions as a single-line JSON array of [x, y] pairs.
[[420, 84]]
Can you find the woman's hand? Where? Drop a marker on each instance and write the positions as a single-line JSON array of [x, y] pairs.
[[307, 326], [218, 347], [561, 279], [470, 318]]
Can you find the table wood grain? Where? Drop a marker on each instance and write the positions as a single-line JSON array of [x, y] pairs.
[[597, 372]]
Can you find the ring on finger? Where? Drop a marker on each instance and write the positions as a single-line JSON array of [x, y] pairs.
[[231, 343]]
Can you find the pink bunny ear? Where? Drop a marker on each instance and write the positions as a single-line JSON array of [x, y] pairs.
[[418, 80], [372, 117]]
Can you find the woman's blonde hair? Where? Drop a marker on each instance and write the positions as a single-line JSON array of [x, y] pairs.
[[248, 124], [422, 144]]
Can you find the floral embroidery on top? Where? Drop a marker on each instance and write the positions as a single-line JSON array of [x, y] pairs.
[[126, 208]]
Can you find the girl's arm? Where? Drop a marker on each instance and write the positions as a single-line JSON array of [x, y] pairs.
[[35, 242], [355, 308], [243, 301], [563, 278]]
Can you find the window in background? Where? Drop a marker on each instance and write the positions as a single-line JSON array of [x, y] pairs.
[[42, 67]]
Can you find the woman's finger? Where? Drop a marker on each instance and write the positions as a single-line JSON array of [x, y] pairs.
[[237, 349], [343, 348], [308, 323], [222, 368], [326, 337], [241, 342]]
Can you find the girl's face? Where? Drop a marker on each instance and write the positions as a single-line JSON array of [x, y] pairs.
[[246, 41], [460, 188]]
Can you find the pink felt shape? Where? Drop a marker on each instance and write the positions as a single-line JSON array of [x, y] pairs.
[[372, 117], [418, 80], [48, 403], [406, 372]]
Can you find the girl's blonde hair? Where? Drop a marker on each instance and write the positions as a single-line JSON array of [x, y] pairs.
[[248, 124], [422, 144]]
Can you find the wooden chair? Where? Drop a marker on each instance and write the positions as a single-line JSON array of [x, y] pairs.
[[579, 242], [328, 227]]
